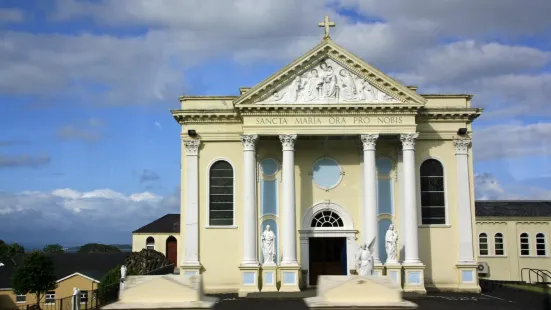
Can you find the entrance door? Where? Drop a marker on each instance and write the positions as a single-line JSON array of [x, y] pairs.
[[327, 257], [172, 250]]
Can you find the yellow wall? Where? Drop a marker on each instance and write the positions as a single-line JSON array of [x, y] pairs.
[[509, 266], [139, 242], [64, 289]]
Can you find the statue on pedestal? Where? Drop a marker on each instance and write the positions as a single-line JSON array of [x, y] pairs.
[[268, 246], [391, 244], [123, 272], [364, 259]]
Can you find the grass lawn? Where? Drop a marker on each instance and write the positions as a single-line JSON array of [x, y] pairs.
[[530, 288]]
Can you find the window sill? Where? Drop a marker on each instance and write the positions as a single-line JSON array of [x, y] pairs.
[[221, 227], [493, 256], [534, 256], [20, 302], [435, 226]]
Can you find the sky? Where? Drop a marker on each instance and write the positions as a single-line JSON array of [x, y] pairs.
[[90, 152]]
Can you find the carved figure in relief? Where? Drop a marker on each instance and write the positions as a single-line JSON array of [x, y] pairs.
[[268, 246], [391, 244], [329, 83], [364, 259], [348, 86]]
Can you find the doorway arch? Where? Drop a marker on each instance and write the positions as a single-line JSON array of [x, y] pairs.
[[172, 250], [327, 220]]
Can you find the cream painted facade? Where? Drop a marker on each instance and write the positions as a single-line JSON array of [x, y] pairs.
[[344, 146], [507, 265], [63, 291]]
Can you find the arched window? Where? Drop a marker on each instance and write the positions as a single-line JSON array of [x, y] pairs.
[[221, 194], [499, 249], [540, 245], [524, 244], [433, 205], [150, 243], [483, 244], [327, 218]]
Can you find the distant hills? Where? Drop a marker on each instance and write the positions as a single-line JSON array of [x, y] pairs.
[[122, 247]]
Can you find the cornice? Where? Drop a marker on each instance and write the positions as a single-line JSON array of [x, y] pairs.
[[186, 98], [292, 109], [466, 96], [205, 116], [445, 114]]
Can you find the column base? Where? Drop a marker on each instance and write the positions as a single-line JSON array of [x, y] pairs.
[[249, 280], [190, 269], [269, 278], [378, 269], [289, 278], [468, 277], [414, 278], [394, 271]]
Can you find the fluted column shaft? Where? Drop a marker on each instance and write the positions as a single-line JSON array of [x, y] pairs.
[[410, 199], [250, 253], [369, 209], [464, 213], [289, 245]]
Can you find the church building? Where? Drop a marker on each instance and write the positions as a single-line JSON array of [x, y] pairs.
[[329, 152]]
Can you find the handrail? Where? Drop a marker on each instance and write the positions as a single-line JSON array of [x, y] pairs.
[[540, 273]]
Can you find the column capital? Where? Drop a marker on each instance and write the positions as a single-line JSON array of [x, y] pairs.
[[288, 142], [249, 142], [408, 140], [192, 147], [461, 146], [369, 140]]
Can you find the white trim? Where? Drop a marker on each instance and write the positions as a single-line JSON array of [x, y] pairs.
[[276, 174], [520, 244], [418, 181], [77, 274], [341, 173], [21, 302], [347, 231], [207, 189], [488, 247], [391, 178], [504, 247], [544, 244], [265, 177], [147, 244]]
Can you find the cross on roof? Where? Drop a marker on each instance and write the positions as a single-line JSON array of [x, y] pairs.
[[326, 24]]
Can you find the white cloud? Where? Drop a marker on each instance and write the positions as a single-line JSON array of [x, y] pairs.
[[487, 187], [88, 131], [83, 216], [509, 141], [24, 160]]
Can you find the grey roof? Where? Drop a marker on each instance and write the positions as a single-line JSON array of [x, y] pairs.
[[169, 223], [513, 208], [93, 265]]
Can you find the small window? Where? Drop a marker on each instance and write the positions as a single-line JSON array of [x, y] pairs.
[[524, 244], [83, 297], [50, 297], [483, 244], [540, 245], [150, 243], [20, 298], [499, 249]]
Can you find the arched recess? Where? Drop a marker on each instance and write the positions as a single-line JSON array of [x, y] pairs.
[[327, 212], [172, 250], [382, 228], [269, 220]]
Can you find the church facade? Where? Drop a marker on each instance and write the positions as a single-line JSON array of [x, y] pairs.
[[329, 152]]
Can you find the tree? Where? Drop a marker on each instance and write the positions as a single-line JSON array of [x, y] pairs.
[[96, 247], [53, 248], [36, 275], [8, 251], [108, 287]]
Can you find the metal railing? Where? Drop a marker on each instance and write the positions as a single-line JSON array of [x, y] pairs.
[[541, 275]]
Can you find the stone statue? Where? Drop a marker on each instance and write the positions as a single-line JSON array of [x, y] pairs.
[[364, 259], [268, 246], [123, 272], [76, 291], [391, 244]]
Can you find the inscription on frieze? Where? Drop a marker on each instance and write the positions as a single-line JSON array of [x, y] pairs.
[[355, 120]]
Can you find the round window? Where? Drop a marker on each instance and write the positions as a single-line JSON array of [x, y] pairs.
[[326, 173]]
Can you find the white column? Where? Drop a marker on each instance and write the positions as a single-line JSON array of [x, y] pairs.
[[410, 199], [401, 210], [250, 253], [464, 201], [370, 223], [191, 211], [289, 245]]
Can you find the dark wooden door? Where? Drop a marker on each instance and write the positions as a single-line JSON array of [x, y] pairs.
[[327, 257], [172, 250]]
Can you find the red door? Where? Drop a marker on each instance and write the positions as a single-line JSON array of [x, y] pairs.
[[172, 250]]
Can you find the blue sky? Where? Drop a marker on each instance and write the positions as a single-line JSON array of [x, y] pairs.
[[88, 148]]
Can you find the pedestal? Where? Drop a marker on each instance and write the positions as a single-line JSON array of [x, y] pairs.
[[289, 278], [468, 280], [190, 270], [394, 271], [414, 278], [378, 269], [249, 280], [269, 277]]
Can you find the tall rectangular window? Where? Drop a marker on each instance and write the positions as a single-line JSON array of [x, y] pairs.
[[483, 244], [524, 244], [221, 194], [433, 204], [499, 249]]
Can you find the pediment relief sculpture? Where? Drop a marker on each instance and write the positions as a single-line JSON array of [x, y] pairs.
[[328, 82]]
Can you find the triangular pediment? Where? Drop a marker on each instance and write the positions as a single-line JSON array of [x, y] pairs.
[[328, 74]]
